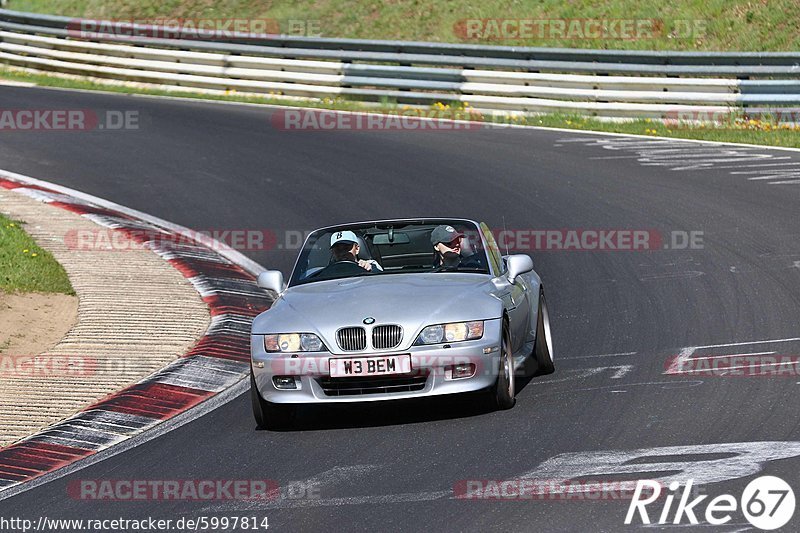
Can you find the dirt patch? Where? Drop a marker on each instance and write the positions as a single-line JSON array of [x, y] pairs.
[[32, 323]]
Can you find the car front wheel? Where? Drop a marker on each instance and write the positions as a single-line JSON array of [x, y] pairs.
[[502, 394], [543, 349]]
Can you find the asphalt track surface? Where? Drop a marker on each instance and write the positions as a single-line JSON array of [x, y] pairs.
[[392, 467]]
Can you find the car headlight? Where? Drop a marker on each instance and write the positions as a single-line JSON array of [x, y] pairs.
[[293, 342], [453, 332]]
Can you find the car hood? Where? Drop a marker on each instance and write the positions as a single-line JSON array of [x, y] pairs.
[[410, 300]]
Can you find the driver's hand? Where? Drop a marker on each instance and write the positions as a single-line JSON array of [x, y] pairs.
[[450, 260], [366, 265]]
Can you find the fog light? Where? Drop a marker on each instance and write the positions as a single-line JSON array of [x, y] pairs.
[[464, 370], [284, 382]]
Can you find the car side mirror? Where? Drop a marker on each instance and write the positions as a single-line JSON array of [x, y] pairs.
[[271, 280], [518, 264]]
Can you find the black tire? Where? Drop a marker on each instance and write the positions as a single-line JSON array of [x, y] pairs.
[[542, 349], [268, 415], [502, 393]]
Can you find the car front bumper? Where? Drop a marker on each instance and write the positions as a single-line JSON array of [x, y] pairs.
[[431, 372]]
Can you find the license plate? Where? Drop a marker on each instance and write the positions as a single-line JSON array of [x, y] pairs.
[[383, 365]]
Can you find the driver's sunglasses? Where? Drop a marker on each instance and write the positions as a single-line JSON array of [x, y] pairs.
[[452, 244]]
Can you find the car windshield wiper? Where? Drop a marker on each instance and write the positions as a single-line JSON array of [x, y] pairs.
[[460, 269], [313, 277]]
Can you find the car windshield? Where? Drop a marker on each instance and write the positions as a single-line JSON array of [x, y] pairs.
[[399, 247]]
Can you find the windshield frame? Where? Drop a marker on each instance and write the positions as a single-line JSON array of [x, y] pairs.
[[474, 229]]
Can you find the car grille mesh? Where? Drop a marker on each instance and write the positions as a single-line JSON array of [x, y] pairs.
[[372, 385], [352, 339], [385, 337]]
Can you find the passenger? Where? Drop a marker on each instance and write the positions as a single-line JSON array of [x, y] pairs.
[[446, 241]]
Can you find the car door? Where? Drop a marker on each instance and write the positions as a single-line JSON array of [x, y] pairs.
[[515, 296]]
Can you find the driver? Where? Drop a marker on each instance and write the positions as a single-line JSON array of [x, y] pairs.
[[345, 248]]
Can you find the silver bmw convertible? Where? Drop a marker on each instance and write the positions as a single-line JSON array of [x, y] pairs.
[[398, 309]]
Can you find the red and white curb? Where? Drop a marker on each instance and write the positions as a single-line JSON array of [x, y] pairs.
[[225, 280]]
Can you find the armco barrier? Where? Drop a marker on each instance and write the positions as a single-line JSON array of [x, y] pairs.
[[593, 82]]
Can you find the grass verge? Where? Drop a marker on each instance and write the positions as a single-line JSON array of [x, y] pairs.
[[733, 130], [686, 25], [24, 266]]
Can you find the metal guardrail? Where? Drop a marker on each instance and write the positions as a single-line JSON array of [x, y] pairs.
[[595, 82], [471, 50]]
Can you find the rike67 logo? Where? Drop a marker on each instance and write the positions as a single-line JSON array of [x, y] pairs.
[[767, 502]]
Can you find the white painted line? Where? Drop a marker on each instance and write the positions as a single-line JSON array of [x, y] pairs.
[[616, 157], [775, 177], [686, 353], [679, 158], [665, 385], [794, 162], [725, 368], [621, 354], [582, 373], [788, 182], [651, 138], [732, 355], [681, 154], [329, 502], [710, 162], [747, 343], [701, 463], [777, 172], [672, 275], [683, 356], [339, 474], [621, 371]]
